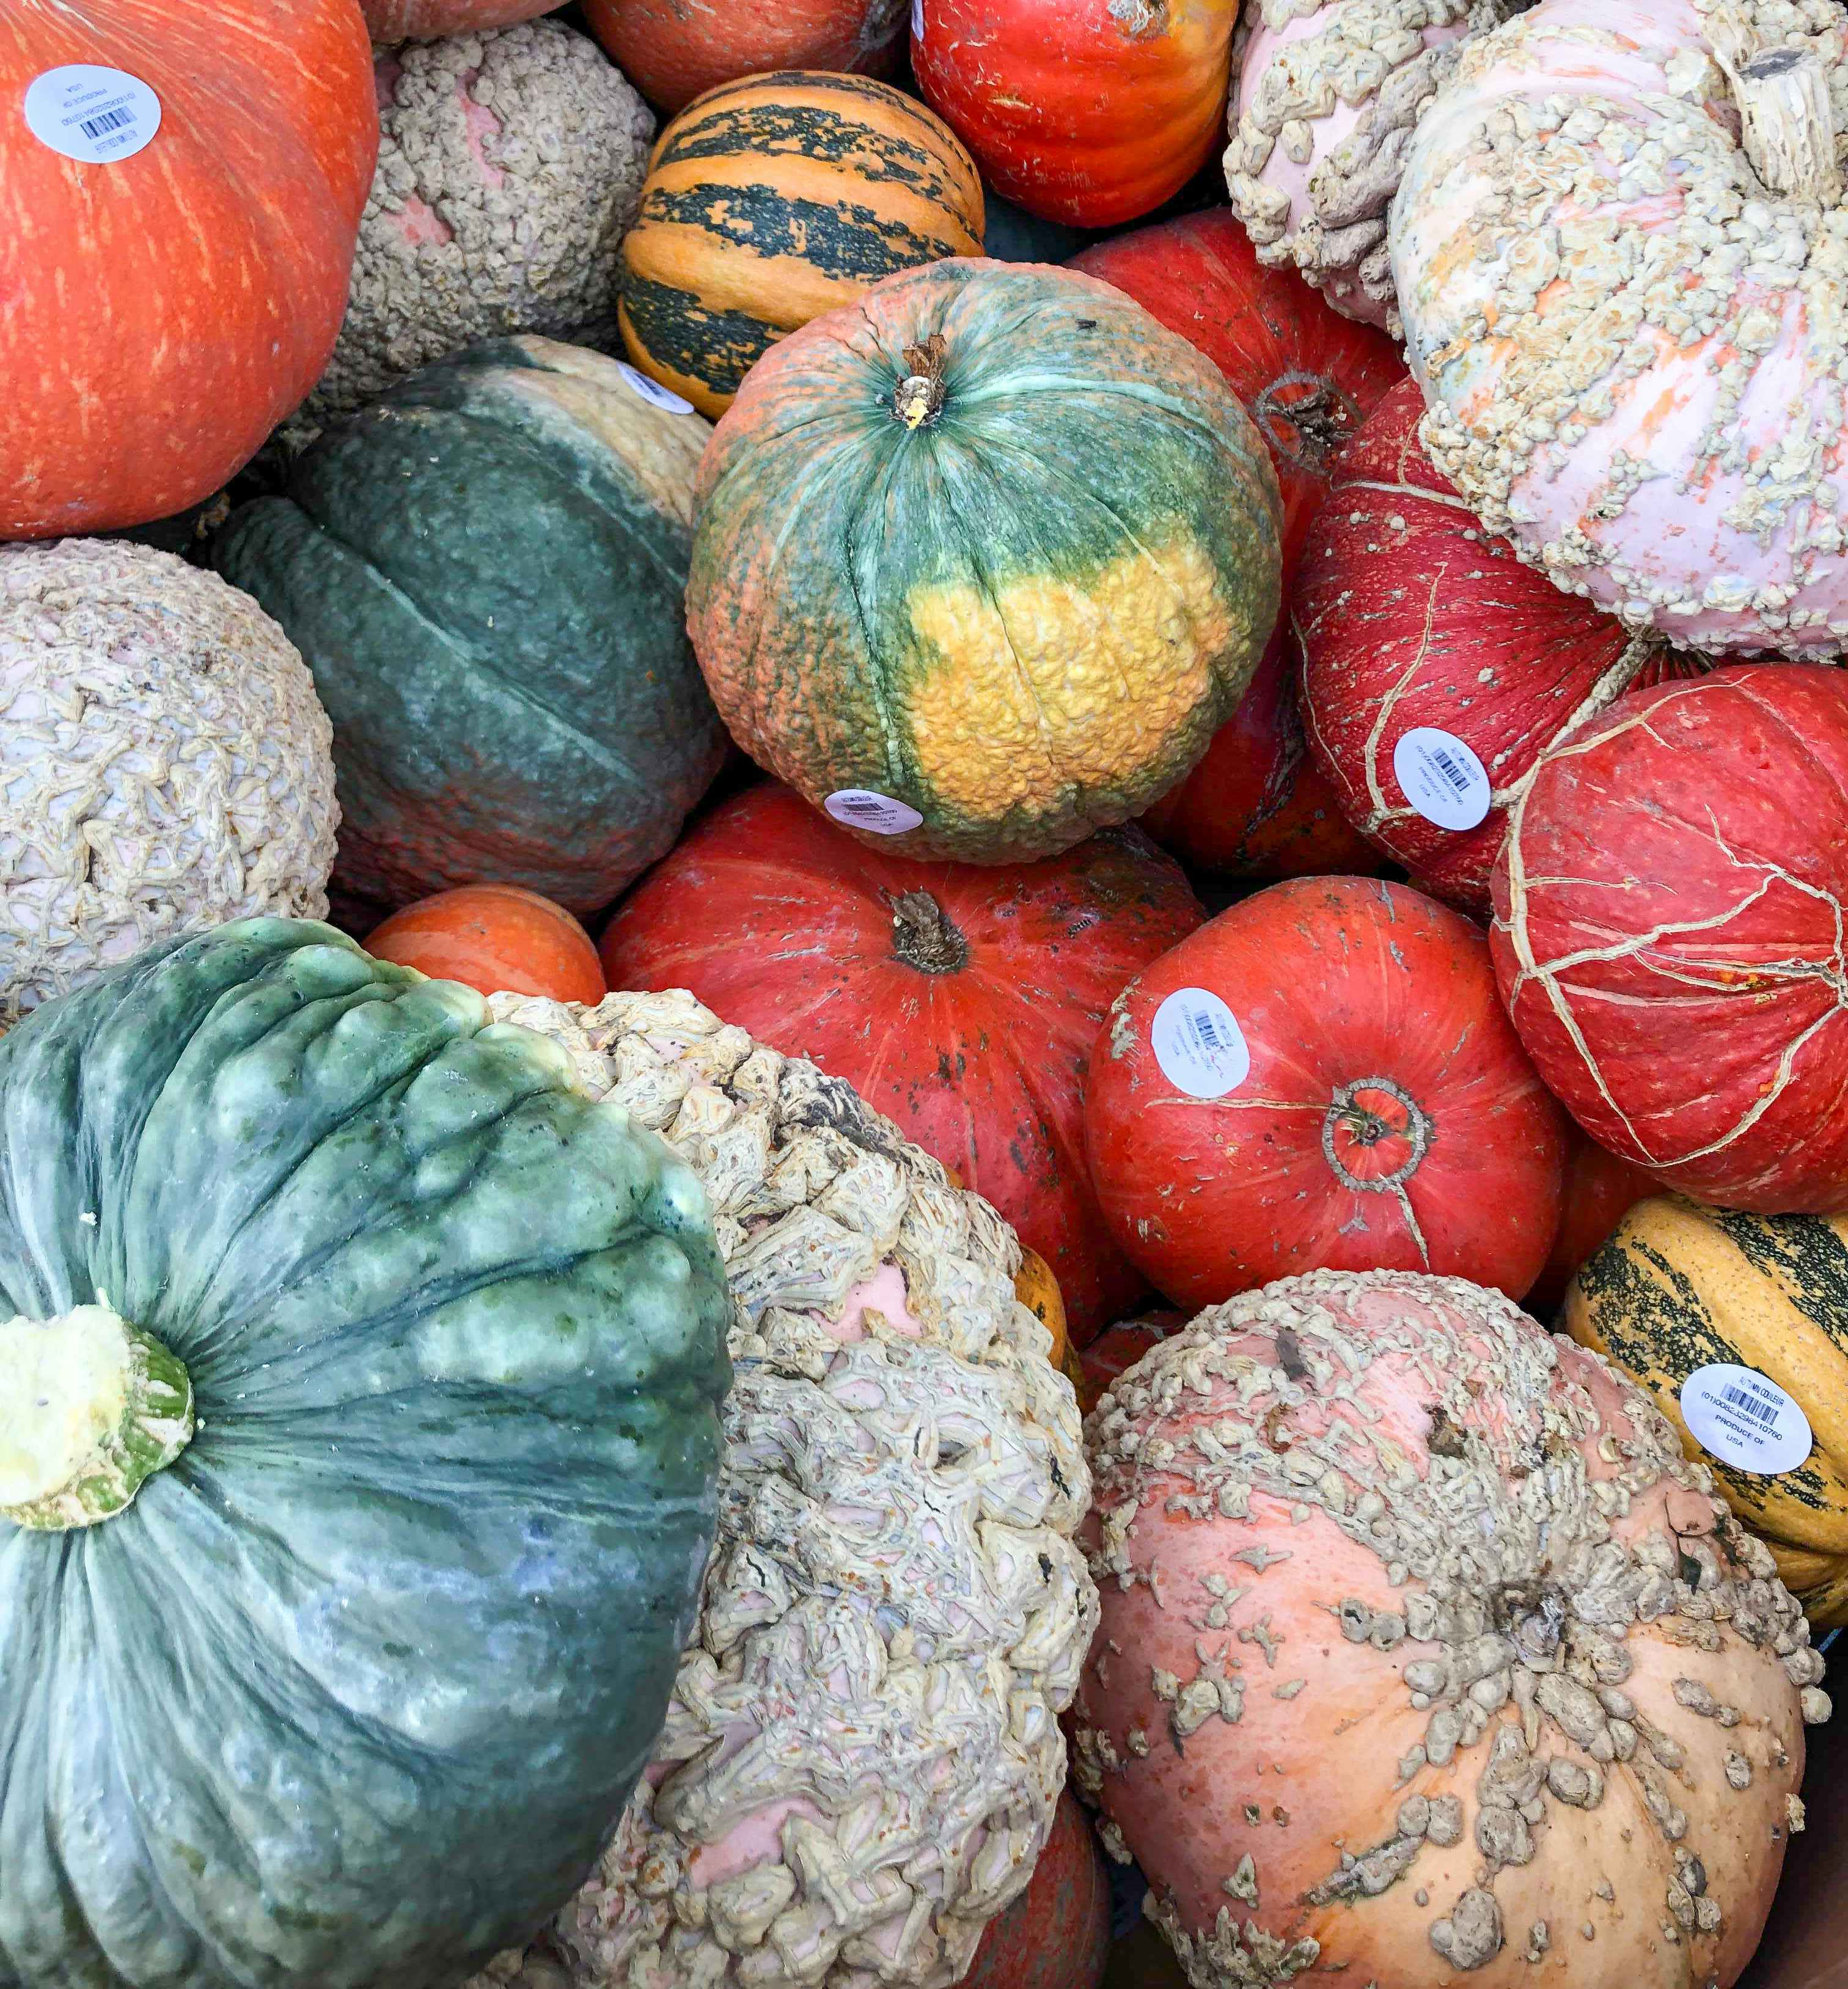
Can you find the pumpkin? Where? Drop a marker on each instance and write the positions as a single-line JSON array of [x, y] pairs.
[[180, 240], [1656, 419], [862, 1753], [484, 571], [1037, 1290], [1670, 888], [1326, 95], [1437, 668], [674, 52], [363, 1454], [510, 166], [1729, 1319], [1425, 1656], [960, 1000], [1322, 1076], [492, 936], [1089, 112], [1057, 1934], [1118, 1348], [165, 763], [1600, 1191], [1022, 661], [771, 201], [392, 20]]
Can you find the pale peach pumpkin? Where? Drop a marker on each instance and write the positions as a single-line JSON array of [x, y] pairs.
[[1425, 1655]]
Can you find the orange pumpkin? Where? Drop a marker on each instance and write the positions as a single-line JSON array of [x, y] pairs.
[[495, 938], [424, 20], [174, 292]]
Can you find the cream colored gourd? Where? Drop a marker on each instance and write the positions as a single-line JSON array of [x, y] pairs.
[[862, 1755], [1620, 250]]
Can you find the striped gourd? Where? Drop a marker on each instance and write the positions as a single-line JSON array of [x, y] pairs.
[[1679, 1286], [771, 200]]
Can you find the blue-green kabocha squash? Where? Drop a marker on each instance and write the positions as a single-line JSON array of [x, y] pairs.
[[342, 1587], [485, 571]]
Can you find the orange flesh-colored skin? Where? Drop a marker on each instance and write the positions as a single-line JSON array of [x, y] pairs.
[[164, 311], [1322, 1767], [1072, 113], [423, 20], [494, 938], [672, 50]]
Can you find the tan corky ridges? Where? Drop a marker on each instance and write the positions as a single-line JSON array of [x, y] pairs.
[[165, 763], [510, 167], [1621, 254], [862, 1755]]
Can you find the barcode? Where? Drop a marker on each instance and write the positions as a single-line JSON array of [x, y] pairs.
[[106, 121], [1208, 1032], [862, 807], [1750, 1403], [1458, 777]]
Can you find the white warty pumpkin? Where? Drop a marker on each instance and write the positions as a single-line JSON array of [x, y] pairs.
[[165, 763], [862, 1755]]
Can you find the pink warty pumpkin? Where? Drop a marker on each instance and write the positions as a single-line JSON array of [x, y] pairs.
[[1425, 1658], [1619, 247]]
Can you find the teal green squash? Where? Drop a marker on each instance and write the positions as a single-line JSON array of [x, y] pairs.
[[340, 1602], [485, 571]]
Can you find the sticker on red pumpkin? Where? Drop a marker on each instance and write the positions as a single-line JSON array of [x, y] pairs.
[[917, 20], [651, 391], [1199, 1045], [94, 115], [861, 808], [1744, 1419], [1441, 778]]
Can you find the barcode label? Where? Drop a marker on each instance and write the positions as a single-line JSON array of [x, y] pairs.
[[95, 115], [1441, 778], [651, 391], [862, 807], [1199, 1045], [1744, 1419]]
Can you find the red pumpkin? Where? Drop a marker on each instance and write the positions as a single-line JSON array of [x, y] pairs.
[[675, 50], [960, 1000], [1257, 805], [1668, 933], [1089, 112], [1118, 1348], [1421, 635], [167, 307], [1322, 1077], [392, 20], [496, 938], [1057, 1934], [1600, 1190]]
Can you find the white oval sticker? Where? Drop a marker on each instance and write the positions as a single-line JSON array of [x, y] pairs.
[[1744, 1419], [652, 390], [917, 20], [97, 115], [1441, 778], [1199, 1045], [860, 808]]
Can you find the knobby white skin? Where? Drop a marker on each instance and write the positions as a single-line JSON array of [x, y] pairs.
[[1635, 350]]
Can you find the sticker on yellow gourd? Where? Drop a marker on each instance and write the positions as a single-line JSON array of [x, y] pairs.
[[1043, 683]]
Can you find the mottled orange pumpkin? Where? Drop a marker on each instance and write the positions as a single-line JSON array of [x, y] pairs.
[[495, 938]]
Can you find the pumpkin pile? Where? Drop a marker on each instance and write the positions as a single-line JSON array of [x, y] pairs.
[[921, 990]]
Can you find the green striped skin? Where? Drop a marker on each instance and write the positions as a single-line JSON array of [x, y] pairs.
[[771, 200], [484, 571], [1025, 616], [354, 1692]]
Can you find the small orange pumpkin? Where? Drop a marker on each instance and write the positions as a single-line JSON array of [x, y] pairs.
[[495, 938]]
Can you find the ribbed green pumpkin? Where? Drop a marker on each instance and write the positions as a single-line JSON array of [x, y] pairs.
[[486, 571], [353, 1690]]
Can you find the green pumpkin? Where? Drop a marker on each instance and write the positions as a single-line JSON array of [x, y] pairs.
[[485, 571], [983, 560], [354, 1501]]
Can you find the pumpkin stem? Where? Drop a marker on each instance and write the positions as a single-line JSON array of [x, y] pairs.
[[919, 396], [1374, 1134], [95, 1408], [1310, 415], [1788, 122], [923, 936]]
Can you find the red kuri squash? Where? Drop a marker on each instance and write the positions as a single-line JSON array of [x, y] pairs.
[[675, 50], [423, 20], [960, 999], [1668, 933], [1057, 1934], [497, 939], [1600, 1190], [1090, 112], [1322, 1077], [1437, 667], [178, 237]]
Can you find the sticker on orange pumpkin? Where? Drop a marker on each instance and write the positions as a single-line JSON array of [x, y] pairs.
[[861, 808], [1199, 1045], [1744, 1419], [97, 116], [1441, 778], [651, 391]]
